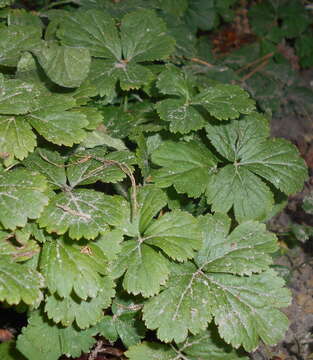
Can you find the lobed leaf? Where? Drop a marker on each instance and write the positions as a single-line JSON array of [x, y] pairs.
[[42, 339], [84, 312], [185, 165], [19, 283], [64, 65], [68, 268], [18, 189]]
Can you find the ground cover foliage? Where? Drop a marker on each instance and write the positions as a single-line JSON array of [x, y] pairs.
[[136, 178]]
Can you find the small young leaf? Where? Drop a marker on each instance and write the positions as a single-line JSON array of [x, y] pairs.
[[226, 101], [253, 155]]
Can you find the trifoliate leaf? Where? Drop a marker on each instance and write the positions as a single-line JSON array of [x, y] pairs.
[[59, 127], [146, 269], [84, 312], [48, 163], [176, 233], [240, 306], [242, 252], [225, 101], [16, 137], [64, 65], [246, 144], [18, 189], [19, 283], [17, 97], [122, 49], [95, 165], [187, 166], [82, 212], [182, 115], [15, 39], [43, 339], [67, 267]]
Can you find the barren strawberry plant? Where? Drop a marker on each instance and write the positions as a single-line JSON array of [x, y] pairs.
[[133, 194]]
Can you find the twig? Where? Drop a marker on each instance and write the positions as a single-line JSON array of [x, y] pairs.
[[255, 70], [261, 59], [202, 62]]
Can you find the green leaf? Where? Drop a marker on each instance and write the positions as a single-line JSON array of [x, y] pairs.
[[19, 283], [18, 189], [21, 251], [225, 101], [49, 163], [141, 37], [244, 308], [68, 341], [15, 39], [182, 116], [109, 243], [150, 201], [99, 166], [176, 233], [245, 143], [16, 137], [205, 346], [67, 267], [209, 346], [150, 350], [84, 312], [135, 259], [82, 212], [144, 38], [94, 30], [64, 65], [59, 127], [8, 349], [237, 187], [185, 165], [17, 97], [242, 252]]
